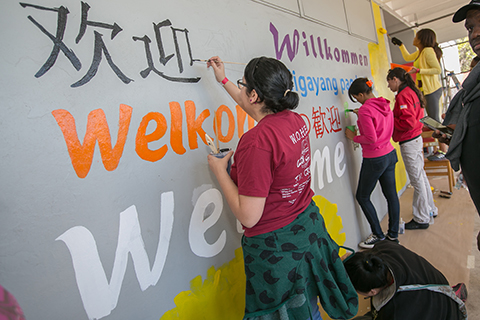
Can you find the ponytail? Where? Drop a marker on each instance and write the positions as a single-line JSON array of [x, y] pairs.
[[438, 51], [406, 81]]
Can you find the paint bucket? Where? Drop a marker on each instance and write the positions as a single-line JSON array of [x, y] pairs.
[[223, 152]]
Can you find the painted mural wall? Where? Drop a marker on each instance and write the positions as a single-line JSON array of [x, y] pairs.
[[108, 208]]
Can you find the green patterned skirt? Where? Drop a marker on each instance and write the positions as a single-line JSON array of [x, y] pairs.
[[288, 267]]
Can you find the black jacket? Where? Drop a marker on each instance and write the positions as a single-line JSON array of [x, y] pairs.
[[409, 268]]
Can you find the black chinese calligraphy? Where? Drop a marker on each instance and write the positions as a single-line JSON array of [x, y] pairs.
[[100, 49], [163, 58], [57, 40]]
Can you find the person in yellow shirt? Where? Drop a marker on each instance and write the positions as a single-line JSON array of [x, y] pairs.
[[427, 68]]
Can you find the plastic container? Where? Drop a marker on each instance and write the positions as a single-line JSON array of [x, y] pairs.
[[432, 219], [223, 152], [401, 226]]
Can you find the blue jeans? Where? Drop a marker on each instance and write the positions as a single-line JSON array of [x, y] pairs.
[[379, 169], [315, 312]]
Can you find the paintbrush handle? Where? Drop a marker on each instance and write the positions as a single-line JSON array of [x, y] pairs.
[[227, 62], [240, 63]]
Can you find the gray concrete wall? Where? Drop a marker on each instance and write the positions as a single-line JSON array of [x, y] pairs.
[[108, 208]]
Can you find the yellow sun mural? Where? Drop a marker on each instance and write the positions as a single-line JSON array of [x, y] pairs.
[[333, 222], [220, 296]]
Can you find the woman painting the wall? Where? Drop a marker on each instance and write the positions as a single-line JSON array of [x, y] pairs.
[[375, 123], [427, 68], [407, 132], [290, 259]]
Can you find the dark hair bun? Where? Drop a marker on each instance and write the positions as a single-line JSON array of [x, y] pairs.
[[272, 82]]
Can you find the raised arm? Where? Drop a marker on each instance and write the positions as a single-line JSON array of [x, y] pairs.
[[407, 56], [219, 70]]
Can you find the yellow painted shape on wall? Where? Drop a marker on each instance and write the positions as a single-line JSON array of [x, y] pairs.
[[220, 296], [333, 222], [380, 65], [334, 225]]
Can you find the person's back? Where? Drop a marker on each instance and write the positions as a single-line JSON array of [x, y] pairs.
[[271, 161], [408, 268], [407, 113], [375, 123]]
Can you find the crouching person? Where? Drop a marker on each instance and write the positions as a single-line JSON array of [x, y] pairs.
[[403, 285]]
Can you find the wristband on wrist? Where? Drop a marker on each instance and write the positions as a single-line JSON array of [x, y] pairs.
[[224, 81], [418, 70]]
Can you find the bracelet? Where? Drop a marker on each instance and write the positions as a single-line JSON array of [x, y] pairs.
[[224, 81], [418, 70]]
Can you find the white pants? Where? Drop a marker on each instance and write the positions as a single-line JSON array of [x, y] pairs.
[[412, 154]]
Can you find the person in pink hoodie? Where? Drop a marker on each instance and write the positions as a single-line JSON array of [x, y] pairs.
[[375, 125]]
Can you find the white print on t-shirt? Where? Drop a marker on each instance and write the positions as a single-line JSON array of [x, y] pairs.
[[304, 161], [305, 147], [306, 172], [305, 157], [298, 177], [299, 134], [292, 192], [303, 178], [300, 161]]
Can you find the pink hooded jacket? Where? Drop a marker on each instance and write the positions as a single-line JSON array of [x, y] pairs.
[[375, 123]]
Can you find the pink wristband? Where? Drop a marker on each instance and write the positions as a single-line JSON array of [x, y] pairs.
[[224, 81]]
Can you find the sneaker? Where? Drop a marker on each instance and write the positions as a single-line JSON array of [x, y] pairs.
[[437, 155], [370, 242], [460, 290], [412, 225], [388, 237]]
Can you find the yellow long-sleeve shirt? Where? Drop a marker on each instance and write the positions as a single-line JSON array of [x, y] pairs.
[[429, 68]]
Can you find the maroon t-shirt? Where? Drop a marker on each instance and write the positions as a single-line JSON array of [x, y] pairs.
[[272, 160]]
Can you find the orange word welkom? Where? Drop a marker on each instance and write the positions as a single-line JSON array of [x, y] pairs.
[[81, 155]]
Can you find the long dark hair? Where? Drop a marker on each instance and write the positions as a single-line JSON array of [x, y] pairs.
[[367, 271], [272, 82], [359, 85], [428, 38], [406, 81]]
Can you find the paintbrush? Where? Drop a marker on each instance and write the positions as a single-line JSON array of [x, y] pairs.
[[228, 62], [211, 144]]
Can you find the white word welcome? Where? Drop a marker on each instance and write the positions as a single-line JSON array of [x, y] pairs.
[[99, 296]]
